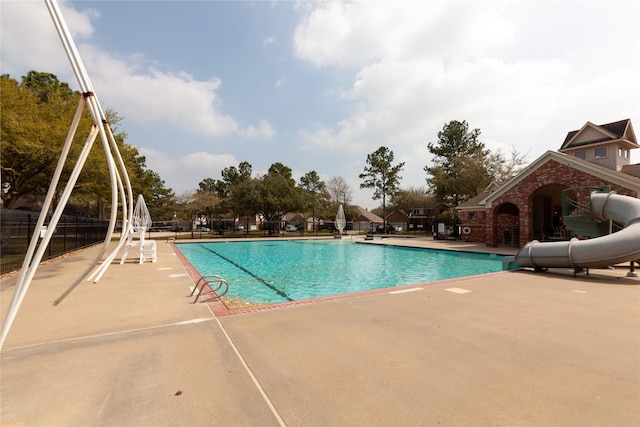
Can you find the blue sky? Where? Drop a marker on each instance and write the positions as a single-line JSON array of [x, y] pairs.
[[203, 85]]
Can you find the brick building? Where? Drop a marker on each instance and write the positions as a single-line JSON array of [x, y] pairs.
[[365, 220], [529, 206]]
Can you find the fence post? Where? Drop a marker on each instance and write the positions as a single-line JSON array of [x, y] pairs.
[[29, 230], [64, 234]]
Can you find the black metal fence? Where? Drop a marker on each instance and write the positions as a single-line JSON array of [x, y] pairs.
[[71, 233]]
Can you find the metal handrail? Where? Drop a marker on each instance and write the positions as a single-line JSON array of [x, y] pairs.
[[572, 207], [208, 280], [203, 280], [575, 208]]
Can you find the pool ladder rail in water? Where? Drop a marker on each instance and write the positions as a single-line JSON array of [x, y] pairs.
[[217, 285]]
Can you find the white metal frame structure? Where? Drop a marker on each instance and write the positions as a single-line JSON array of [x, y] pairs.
[[120, 183]]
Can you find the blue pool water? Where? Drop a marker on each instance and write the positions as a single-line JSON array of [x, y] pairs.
[[291, 270]]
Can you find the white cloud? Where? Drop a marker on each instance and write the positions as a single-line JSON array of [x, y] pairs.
[[148, 94], [155, 96], [264, 130], [420, 65], [184, 173], [355, 34], [128, 85], [29, 38]]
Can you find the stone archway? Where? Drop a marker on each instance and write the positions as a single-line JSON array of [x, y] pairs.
[[546, 211], [506, 225]]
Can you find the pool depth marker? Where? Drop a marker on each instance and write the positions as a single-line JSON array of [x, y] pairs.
[[260, 279]]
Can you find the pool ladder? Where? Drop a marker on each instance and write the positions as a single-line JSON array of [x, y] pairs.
[[218, 290]]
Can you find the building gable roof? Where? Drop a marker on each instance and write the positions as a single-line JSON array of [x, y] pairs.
[[474, 202], [398, 215], [292, 216], [619, 178], [590, 133], [369, 216]]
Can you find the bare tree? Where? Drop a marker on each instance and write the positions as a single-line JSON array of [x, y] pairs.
[[501, 168], [339, 190]]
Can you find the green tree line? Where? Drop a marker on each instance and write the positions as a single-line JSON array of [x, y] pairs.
[[36, 113]]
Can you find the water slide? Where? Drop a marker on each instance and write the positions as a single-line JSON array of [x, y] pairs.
[[600, 252]]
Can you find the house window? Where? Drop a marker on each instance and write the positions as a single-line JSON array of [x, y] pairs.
[[581, 155], [624, 153], [601, 152], [472, 216]]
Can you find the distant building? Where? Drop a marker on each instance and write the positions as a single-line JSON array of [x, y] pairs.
[[398, 219], [365, 219], [425, 216]]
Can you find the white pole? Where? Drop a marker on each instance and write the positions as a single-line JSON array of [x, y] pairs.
[[23, 286], [27, 264], [100, 127], [127, 218]]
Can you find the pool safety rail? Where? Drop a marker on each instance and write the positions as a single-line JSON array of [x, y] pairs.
[[577, 214], [217, 285]]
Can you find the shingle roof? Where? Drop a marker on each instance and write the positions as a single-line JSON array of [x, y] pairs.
[[474, 202], [617, 128], [370, 216], [633, 170], [611, 131]]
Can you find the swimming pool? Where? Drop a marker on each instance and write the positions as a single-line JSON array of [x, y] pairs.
[[278, 271]]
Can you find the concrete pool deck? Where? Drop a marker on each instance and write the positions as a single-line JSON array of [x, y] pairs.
[[513, 348]]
